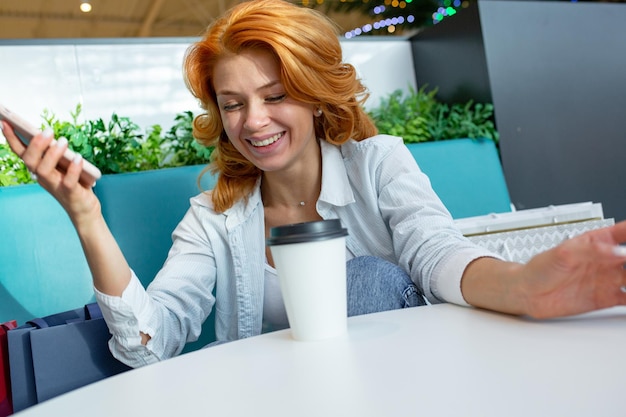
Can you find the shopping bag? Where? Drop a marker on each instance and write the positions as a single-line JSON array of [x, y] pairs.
[[52, 355], [6, 408], [521, 245], [23, 390], [519, 235]]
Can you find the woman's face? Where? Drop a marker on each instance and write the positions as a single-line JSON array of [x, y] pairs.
[[270, 129]]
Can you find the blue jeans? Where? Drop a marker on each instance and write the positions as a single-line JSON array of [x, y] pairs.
[[378, 285]]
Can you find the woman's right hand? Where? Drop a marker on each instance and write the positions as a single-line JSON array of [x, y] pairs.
[[41, 157]]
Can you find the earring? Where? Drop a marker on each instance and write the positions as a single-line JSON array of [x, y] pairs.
[[318, 112]]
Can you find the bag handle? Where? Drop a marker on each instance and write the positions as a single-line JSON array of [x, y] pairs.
[[9, 325], [38, 323], [90, 311]]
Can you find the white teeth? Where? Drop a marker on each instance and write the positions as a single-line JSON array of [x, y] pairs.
[[267, 141]]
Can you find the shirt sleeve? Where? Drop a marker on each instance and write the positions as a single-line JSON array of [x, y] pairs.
[[426, 241], [173, 307], [126, 317], [446, 281]]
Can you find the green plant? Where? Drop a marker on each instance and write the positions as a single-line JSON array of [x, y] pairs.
[[116, 146], [419, 117], [182, 147], [12, 169]]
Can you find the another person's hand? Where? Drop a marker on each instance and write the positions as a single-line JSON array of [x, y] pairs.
[[41, 157]]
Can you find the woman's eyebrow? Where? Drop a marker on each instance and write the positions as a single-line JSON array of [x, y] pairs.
[[232, 93]]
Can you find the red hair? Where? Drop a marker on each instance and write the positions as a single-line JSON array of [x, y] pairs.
[[306, 45]]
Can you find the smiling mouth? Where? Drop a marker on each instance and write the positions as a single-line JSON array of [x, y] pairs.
[[265, 142]]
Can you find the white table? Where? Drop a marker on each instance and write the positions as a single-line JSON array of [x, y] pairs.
[[438, 360]]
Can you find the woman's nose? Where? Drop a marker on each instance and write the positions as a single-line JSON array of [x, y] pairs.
[[257, 117]]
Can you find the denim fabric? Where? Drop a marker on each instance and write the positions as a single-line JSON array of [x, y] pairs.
[[378, 285]]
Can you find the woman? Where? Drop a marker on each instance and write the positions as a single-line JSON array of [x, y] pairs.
[[293, 144]]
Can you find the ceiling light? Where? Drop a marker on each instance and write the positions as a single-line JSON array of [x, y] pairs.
[[85, 7]]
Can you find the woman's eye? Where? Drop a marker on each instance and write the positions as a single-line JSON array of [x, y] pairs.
[[276, 99], [231, 106]]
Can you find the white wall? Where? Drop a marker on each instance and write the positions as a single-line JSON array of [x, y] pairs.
[[142, 80]]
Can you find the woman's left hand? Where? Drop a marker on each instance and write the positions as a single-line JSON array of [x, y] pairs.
[[582, 274]]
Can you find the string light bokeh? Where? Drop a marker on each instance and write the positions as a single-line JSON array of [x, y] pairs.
[[392, 24], [390, 17]]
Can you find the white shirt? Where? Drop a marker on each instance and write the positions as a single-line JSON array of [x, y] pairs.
[[274, 313], [374, 186]]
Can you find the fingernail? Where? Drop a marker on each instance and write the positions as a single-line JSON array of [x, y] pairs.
[[619, 250], [62, 141], [1, 126], [48, 133], [77, 158]]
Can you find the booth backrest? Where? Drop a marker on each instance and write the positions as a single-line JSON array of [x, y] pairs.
[[42, 266], [466, 174], [43, 269], [142, 209]]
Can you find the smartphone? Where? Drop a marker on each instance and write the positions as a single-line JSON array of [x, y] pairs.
[[25, 132]]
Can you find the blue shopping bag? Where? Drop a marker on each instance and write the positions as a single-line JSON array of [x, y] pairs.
[[52, 355]]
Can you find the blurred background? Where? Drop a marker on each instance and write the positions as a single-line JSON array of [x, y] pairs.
[[44, 19], [59, 19], [551, 69]]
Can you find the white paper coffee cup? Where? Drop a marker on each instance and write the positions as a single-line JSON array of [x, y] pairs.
[[310, 260]]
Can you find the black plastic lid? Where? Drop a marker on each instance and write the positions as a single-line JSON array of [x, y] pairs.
[[306, 232]]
